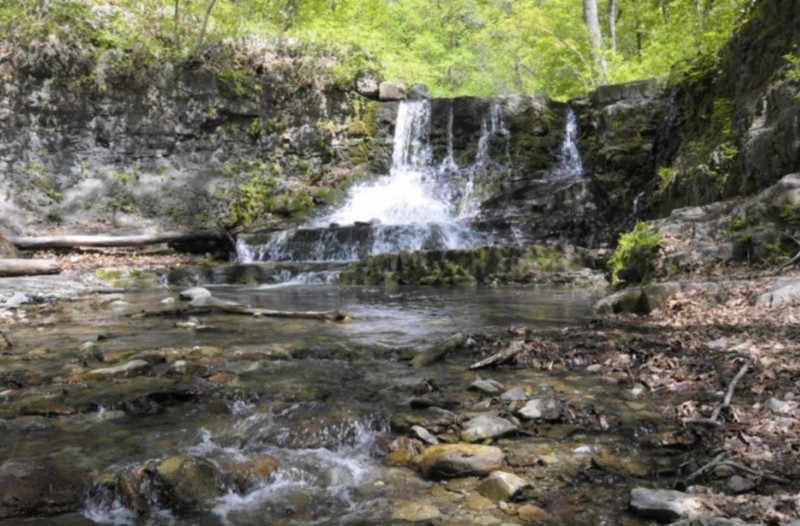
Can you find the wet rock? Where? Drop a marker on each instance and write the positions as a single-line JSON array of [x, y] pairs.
[[413, 511], [388, 90], [486, 427], [186, 368], [501, 485], [663, 504], [516, 394], [47, 406], [459, 460], [39, 487], [718, 521], [489, 387], [477, 502], [434, 419], [248, 474], [425, 435], [142, 406], [188, 482], [402, 450], [530, 514], [548, 409], [126, 370], [194, 293], [626, 300]]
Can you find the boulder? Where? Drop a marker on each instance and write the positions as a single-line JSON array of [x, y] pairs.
[[388, 90], [413, 511], [785, 292], [459, 460], [40, 487], [367, 86], [663, 504], [188, 482], [501, 485], [486, 427], [548, 409], [418, 92]]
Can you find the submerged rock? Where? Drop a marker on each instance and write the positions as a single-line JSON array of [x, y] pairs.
[[128, 369], [412, 511], [460, 460], [39, 487], [194, 293]]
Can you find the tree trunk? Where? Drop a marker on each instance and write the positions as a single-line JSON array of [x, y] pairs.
[[592, 21], [28, 267], [204, 27], [612, 24]]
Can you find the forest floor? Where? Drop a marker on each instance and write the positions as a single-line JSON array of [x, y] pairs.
[[729, 374]]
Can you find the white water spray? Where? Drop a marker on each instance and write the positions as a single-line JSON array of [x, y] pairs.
[[570, 163]]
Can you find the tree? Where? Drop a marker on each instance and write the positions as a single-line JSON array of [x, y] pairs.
[[592, 21]]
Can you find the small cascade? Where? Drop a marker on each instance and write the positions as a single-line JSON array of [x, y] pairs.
[[492, 128], [570, 164], [411, 208]]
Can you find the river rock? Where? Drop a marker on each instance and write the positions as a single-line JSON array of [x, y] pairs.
[[251, 472], [126, 370], [434, 419], [548, 409], [211, 301], [486, 386], [388, 90], [367, 86], [413, 511], [188, 482], [194, 293], [501, 485], [425, 435], [459, 460], [486, 427], [663, 504], [516, 394], [17, 300], [38, 487]]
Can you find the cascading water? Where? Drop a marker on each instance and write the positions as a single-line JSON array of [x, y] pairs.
[[411, 208], [570, 163]]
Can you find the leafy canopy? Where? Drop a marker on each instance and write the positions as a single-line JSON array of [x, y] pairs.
[[456, 47]]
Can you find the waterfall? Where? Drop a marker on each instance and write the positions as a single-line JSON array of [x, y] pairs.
[[409, 193], [570, 164], [410, 208]]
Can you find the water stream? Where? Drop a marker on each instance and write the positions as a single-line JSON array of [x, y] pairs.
[[317, 397]]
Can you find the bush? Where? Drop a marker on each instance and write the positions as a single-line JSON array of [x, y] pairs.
[[634, 259]]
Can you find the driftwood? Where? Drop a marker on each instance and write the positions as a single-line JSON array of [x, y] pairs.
[[327, 315], [439, 350], [28, 267], [502, 356], [47, 242]]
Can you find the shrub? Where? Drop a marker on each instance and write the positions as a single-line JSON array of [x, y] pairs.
[[634, 259]]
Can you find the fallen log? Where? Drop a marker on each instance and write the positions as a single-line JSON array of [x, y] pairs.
[[327, 315], [28, 267], [502, 356], [438, 351], [102, 241]]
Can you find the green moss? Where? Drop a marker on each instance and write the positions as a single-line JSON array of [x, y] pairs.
[[635, 255], [790, 214]]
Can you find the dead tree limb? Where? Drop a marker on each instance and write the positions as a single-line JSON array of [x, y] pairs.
[[712, 420], [101, 241], [28, 267], [502, 356], [328, 315], [439, 350]]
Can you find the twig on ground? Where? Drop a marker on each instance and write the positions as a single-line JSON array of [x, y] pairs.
[[712, 421]]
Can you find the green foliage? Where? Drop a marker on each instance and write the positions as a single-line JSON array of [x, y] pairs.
[[790, 214], [635, 255], [457, 47], [666, 175]]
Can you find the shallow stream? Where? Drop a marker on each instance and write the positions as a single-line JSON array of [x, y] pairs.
[[319, 397]]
